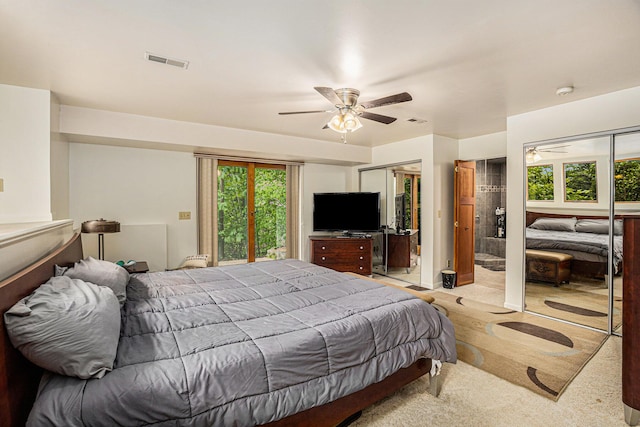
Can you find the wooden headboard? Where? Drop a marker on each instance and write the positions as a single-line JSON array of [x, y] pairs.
[[18, 377]]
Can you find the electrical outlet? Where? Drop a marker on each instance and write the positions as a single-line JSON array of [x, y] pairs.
[[448, 263], [184, 215], [1, 185]]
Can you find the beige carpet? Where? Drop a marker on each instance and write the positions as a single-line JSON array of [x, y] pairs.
[[537, 353], [585, 302], [473, 397]]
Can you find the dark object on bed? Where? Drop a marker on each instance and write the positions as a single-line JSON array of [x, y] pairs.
[[590, 223], [19, 379]]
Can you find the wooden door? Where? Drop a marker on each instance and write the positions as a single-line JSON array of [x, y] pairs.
[[464, 221]]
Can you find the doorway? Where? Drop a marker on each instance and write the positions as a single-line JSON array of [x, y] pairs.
[[490, 220]]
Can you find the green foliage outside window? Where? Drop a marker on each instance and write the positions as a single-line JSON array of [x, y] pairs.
[[540, 182], [627, 180], [271, 210], [232, 213], [580, 182], [270, 207]]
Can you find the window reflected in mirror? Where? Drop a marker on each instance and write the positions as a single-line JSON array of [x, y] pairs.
[[540, 182], [627, 180], [581, 184]]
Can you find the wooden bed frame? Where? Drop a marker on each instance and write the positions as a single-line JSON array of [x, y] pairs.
[[578, 267], [19, 378]]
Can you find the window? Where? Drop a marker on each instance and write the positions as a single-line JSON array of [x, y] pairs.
[[627, 180], [580, 182], [540, 182]]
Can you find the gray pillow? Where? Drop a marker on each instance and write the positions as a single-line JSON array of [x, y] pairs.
[[103, 273], [67, 326], [555, 224], [598, 226]]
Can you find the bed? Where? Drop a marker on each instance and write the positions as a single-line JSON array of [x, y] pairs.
[[584, 237], [378, 339]]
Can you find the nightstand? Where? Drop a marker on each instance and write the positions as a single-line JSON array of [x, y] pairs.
[[138, 267]]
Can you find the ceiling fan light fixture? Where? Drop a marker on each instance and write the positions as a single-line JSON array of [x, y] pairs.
[[351, 122], [337, 124], [344, 121], [532, 156]]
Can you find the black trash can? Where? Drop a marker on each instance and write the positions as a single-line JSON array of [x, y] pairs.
[[448, 279]]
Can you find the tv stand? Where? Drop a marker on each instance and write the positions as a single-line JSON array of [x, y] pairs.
[[343, 254]]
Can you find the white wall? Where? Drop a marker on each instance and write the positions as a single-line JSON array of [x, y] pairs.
[[59, 163], [84, 124], [135, 187], [615, 110], [25, 159], [491, 146], [319, 178]]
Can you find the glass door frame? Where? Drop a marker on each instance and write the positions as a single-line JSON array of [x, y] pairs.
[[251, 209]]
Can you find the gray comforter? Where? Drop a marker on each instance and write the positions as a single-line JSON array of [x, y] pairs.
[[592, 243], [245, 345]]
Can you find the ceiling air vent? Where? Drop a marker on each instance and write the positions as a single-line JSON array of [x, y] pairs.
[[164, 60], [414, 120]]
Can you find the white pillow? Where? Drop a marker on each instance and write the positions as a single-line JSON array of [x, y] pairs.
[[103, 273], [67, 326], [195, 261]]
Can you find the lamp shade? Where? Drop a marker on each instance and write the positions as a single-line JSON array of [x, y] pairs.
[[100, 226]]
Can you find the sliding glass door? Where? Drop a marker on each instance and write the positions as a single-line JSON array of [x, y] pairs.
[[252, 211]]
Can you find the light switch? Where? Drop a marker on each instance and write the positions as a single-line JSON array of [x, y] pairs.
[[1, 185], [184, 215]]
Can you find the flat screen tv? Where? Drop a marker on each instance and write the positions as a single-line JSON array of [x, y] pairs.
[[346, 212]]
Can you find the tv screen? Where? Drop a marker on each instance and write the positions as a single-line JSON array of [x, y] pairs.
[[354, 212]]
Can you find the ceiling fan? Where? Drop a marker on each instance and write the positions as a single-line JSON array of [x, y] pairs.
[[348, 110], [532, 154]]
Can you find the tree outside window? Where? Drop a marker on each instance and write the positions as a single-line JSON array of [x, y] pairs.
[[627, 180], [540, 182], [580, 181]]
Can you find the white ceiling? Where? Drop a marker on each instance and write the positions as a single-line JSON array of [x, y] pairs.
[[468, 64]]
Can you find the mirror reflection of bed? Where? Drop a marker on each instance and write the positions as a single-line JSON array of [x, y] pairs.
[[577, 178], [566, 268]]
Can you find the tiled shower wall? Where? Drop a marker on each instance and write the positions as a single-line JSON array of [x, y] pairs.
[[491, 192]]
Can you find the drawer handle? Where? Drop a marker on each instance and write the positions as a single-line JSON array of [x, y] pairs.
[[323, 248], [324, 258], [361, 257], [361, 268], [361, 247]]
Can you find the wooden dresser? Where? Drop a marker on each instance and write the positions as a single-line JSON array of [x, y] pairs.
[[343, 254], [631, 320]]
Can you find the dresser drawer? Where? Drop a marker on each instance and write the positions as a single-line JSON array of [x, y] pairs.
[[346, 255]]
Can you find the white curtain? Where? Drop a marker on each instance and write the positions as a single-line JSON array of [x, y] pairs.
[[293, 211], [207, 169]]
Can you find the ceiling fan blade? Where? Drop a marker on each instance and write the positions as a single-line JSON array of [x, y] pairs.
[[377, 117], [330, 94], [302, 112], [388, 100]]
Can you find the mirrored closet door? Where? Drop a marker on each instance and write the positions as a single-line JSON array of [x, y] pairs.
[[576, 192], [396, 249]]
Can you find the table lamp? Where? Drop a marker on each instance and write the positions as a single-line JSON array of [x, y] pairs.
[[100, 226]]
